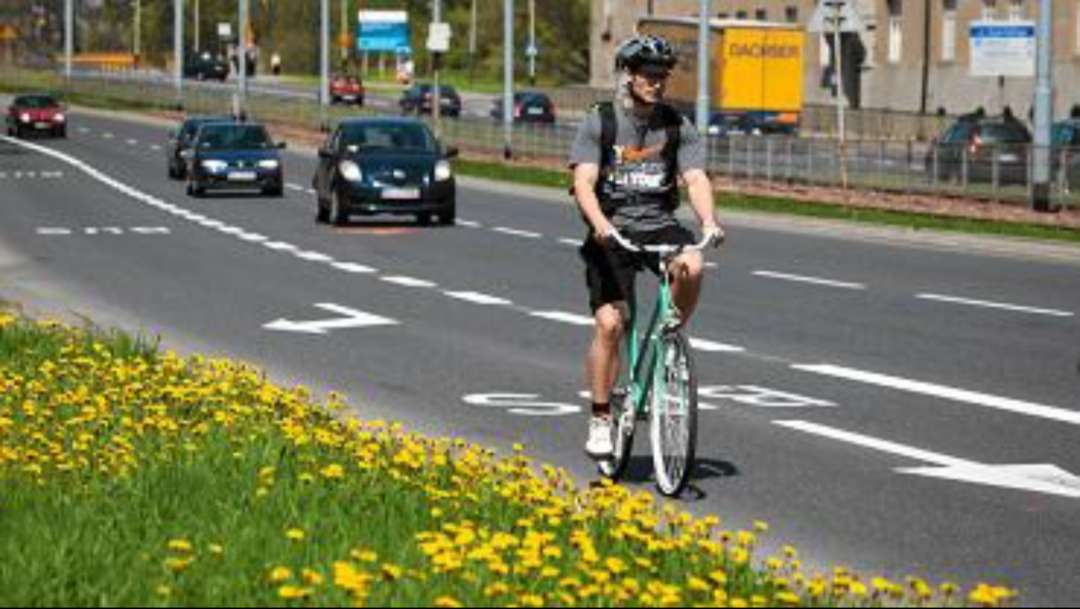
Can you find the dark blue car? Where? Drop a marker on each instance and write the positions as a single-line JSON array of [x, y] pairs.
[[384, 166], [234, 156]]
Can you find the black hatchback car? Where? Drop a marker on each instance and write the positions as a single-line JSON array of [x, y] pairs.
[[418, 100], [234, 156], [979, 146], [180, 140], [205, 66], [529, 107], [384, 166]]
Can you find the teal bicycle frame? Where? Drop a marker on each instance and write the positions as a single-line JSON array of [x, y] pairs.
[[641, 355]]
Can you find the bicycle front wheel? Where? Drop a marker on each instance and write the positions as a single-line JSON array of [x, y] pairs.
[[674, 415]]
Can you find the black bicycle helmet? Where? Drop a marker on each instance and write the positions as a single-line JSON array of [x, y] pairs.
[[648, 50]]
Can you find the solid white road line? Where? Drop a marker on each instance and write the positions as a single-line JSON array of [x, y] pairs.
[[280, 246], [468, 223], [811, 280], [874, 443], [53, 231], [409, 282], [150, 230], [562, 316], [478, 298], [352, 267], [994, 305], [948, 393], [313, 256], [714, 347], [517, 233]]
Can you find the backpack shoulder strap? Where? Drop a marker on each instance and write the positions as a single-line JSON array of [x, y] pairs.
[[671, 121], [608, 128]]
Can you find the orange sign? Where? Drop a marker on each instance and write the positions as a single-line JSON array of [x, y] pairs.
[[8, 33]]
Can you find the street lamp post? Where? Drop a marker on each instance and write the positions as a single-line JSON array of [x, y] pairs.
[[178, 50], [69, 24], [508, 75], [532, 42], [138, 31], [324, 62], [702, 115], [1040, 192], [436, 93], [241, 60]]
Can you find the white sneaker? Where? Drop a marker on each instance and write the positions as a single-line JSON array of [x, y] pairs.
[[599, 445]]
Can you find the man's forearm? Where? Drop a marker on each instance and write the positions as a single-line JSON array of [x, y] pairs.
[[701, 198]]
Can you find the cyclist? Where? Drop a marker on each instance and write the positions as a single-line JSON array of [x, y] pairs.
[[626, 158]]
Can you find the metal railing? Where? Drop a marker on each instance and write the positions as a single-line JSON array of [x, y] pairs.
[[994, 174]]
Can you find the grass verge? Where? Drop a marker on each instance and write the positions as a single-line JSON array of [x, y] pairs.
[[546, 177], [133, 476]]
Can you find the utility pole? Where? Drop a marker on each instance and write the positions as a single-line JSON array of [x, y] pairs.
[[196, 16], [343, 41], [138, 31], [472, 43], [841, 127], [178, 51], [703, 102], [241, 59], [532, 43], [1040, 192], [508, 75], [324, 62], [926, 56], [69, 25], [436, 94]]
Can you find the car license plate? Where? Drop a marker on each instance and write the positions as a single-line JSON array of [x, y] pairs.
[[242, 176], [42, 125], [535, 111], [348, 97], [399, 194]]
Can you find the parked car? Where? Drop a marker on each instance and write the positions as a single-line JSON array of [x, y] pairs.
[[180, 140], [346, 89], [978, 143], [384, 166], [36, 114], [230, 155], [417, 99], [205, 66], [529, 107]]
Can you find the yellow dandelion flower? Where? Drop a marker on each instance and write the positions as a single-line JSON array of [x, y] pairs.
[[177, 565], [333, 472], [364, 555], [180, 545], [761, 526], [216, 549], [739, 603], [696, 584], [294, 592], [295, 534], [391, 571], [719, 577], [787, 599], [279, 574], [311, 577], [447, 601], [615, 565], [163, 590]]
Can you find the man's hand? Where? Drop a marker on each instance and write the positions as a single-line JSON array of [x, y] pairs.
[[602, 231], [714, 232]]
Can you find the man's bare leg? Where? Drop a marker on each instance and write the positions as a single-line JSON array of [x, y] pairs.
[[686, 273]]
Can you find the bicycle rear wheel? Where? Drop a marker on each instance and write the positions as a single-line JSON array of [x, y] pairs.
[[674, 415]]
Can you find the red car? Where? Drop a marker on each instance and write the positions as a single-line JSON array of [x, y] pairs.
[[36, 113], [346, 89]]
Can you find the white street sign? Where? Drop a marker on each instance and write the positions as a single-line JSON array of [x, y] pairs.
[[1038, 478], [352, 319], [1003, 49], [822, 19], [439, 37], [224, 30]]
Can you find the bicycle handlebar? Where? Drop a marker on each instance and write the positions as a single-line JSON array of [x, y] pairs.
[[663, 250]]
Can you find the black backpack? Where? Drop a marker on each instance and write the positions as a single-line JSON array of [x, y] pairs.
[[664, 117]]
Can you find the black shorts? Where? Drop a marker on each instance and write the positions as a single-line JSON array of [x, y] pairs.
[[610, 271]]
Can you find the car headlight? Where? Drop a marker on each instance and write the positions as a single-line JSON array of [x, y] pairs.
[[58, 117], [350, 171], [714, 129], [269, 164], [25, 117], [214, 166], [443, 171]]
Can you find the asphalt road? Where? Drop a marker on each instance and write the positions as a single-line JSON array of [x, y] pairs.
[[863, 388]]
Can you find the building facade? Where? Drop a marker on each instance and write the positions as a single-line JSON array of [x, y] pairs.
[[884, 64]]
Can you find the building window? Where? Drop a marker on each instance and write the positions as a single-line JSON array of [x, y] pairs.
[[740, 14], [722, 15], [989, 10], [1016, 10], [948, 31], [896, 30], [791, 14], [761, 14]]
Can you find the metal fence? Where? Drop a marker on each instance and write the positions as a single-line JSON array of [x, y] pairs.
[[993, 174]]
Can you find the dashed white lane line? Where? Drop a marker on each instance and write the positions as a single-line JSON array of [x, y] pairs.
[[517, 233], [313, 256], [133, 142], [107, 135], [564, 317], [253, 237], [942, 391], [994, 305], [151, 230], [714, 347], [155, 147], [280, 246], [478, 298], [570, 242], [812, 280], [468, 223], [231, 230], [296, 187], [46, 230], [409, 282], [352, 267]]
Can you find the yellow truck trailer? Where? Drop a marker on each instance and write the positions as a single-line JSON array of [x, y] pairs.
[[756, 71]]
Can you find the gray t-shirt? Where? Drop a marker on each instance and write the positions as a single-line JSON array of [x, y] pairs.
[[639, 178]]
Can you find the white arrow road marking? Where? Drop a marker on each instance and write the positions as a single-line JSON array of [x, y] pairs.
[[517, 233], [48, 230], [949, 393], [994, 305], [478, 298], [714, 347], [409, 282], [150, 230], [566, 318], [812, 280], [468, 223], [352, 267], [352, 319], [1042, 478]]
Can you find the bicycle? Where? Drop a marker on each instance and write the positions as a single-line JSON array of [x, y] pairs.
[[656, 382]]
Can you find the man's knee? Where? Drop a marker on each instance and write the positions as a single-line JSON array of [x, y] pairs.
[[609, 323], [689, 266]]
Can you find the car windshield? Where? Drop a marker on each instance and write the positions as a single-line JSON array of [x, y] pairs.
[[959, 133], [1002, 133], [192, 127], [35, 101], [399, 136], [234, 137]]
